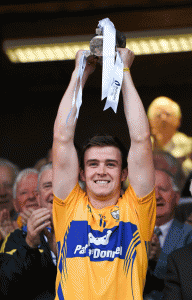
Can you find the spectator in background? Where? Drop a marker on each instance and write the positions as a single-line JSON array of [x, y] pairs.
[[28, 256], [165, 119], [24, 194], [169, 233], [178, 279], [8, 173], [25, 190]]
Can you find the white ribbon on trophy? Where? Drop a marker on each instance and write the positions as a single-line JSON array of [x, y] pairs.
[[109, 41], [115, 85], [112, 71]]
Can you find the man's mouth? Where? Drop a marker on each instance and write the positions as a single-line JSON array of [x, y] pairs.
[[102, 182], [160, 204], [33, 205]]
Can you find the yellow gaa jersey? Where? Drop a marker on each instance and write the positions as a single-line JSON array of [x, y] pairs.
[[102, 253]]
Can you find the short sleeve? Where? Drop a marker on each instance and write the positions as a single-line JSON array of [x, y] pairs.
[[63, 211], [145, 209]]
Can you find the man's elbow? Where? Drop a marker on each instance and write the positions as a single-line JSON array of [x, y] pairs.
[[142, 138], [63, 134]]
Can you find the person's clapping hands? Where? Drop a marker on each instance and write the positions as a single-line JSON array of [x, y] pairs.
[[25, 215], [6, 224], [154, 248], [37, 222]]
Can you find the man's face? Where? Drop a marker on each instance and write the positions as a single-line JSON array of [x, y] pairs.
[[166, 197], [45, 193], [6, 190], [164, 120], [102, 171], [26, 194]]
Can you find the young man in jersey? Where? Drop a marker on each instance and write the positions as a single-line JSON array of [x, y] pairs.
[[102, 238]]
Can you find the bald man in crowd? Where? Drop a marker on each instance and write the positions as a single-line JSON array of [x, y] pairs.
[[165, 119], [169, 233]]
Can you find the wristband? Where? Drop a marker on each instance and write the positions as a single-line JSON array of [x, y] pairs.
[[126, 69]]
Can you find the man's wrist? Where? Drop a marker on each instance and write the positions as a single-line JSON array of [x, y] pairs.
[[75, 73], [126, 69], [30, 243]]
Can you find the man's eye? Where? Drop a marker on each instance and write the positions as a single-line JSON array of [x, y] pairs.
[[23, 193], [93, 164], [48, 186], [111, 164]]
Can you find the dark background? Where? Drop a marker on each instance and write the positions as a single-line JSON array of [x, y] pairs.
[[31, 93]]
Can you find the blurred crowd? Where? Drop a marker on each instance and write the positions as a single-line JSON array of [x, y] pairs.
[[28, 254]]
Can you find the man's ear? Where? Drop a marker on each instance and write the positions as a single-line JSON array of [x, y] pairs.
[[82, 175], [124, 174]]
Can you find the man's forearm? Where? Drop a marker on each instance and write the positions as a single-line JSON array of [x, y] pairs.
[[64, 126], [134, 110]]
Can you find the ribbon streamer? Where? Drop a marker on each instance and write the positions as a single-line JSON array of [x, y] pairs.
[[115, 85], [109, 41], [112, 71]]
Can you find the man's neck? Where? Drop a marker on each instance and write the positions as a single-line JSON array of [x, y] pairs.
[[162, 220], [101, 202]]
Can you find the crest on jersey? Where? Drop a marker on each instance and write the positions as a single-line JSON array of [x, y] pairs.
[[115, 214]]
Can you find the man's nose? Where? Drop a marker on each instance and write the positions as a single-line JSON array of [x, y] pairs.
[[157, 193], [32, 195], [102, 169]]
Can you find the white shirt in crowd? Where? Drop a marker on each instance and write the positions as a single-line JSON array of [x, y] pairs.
[[164, 229]]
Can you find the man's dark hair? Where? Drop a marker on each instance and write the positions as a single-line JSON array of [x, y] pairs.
[[101, 141]]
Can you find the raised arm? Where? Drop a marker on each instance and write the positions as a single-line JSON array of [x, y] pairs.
[[65, 159], [140, 159]]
